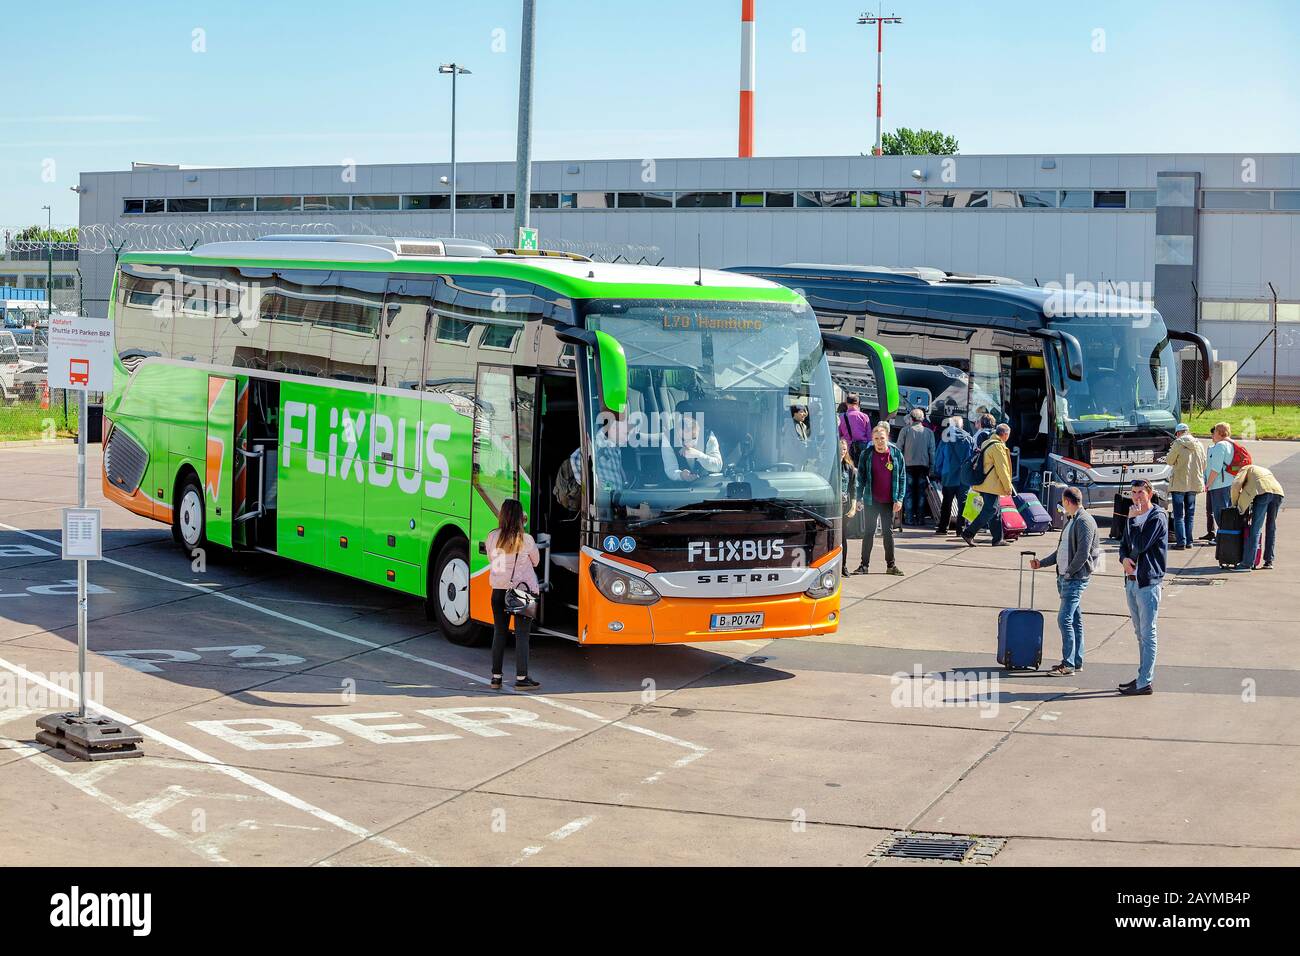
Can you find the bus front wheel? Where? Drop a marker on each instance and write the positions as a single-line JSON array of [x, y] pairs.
[[448, 596], [189, 525]]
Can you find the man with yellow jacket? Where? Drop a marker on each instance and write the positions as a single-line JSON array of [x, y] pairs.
[[1258, 494], [995, 464]]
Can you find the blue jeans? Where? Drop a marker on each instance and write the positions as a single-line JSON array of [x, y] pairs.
[[1143, 608], [1263, 510], [990, 517], [1070, 619], [1184, 513], [1216, 499]]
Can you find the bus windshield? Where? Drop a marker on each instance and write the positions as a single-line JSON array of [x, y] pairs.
[[730, 406], [1130, 379]]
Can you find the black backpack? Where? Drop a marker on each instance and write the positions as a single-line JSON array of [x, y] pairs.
[[973, 471]]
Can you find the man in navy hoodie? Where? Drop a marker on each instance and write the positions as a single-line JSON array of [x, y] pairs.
[[1143, 550]]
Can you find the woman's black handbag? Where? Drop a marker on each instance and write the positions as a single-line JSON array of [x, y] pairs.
[[520, 599]]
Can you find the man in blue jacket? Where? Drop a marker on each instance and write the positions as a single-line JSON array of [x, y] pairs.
[[955, 449], [1143, 550]]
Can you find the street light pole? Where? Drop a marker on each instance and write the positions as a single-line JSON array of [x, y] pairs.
[[524, 146], [454, 69]]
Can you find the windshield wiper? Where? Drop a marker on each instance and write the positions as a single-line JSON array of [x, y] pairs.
[[674, 514], [791, 505]]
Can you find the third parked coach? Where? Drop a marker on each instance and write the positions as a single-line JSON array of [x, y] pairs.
[[1088, 384]]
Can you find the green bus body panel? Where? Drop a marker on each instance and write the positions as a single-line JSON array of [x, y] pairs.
[[344, 519], [219, 473], [331, 490]]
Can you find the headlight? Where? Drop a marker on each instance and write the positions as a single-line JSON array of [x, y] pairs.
[[1073, 476], [826, 583], [621, 588]]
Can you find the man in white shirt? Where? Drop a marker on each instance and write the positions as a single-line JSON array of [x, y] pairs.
[[689, 461]]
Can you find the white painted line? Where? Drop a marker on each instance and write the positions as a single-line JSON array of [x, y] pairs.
[[696, 749], [242, 776], [570, 828]]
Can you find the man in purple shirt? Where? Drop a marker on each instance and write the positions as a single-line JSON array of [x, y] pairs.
[[855, 426]]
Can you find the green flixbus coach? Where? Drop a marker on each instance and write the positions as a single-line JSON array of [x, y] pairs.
[[365, 404]]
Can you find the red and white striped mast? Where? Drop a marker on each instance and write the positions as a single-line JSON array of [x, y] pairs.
[[746, 79], [880, 22]]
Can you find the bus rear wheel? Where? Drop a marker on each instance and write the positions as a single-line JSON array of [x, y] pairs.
[[448, 596], [189, 523]]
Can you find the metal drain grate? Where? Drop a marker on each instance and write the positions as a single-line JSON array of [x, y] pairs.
[[940, 848], [927, 848], [1178, 582]]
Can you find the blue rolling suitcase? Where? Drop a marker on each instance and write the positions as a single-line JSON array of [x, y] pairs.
[[1031, 509], [1020, 629]]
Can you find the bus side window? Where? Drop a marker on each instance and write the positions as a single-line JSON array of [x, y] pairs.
[[146, 304], [206, 297], [240, 336], [351, 310], [482, 316], [401, 334]]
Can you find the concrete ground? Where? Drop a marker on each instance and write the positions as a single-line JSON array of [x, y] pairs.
[[293, 717]]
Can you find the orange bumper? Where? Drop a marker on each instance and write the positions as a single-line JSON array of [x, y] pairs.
[[686, 620]]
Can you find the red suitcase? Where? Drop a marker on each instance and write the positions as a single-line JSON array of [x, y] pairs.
[[1013, 525]]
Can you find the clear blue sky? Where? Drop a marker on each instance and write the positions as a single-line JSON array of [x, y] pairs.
[[94, 85]]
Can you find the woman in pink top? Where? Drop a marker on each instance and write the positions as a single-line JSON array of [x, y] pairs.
[[512, 556]]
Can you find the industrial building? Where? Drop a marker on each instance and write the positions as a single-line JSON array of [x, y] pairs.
[[1214, 239]]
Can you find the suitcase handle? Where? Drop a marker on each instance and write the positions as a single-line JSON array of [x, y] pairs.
[[1020, 582]]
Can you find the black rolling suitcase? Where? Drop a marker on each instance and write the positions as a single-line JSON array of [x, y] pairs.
[[1230, 539], [934, 499], [1119, 518]]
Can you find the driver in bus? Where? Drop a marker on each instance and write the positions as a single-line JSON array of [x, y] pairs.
[[689, 461]]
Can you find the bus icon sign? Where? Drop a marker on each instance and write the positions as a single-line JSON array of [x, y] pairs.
[[80, 353]]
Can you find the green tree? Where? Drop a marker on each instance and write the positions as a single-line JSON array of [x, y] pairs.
[[917, 142], [41, 234]]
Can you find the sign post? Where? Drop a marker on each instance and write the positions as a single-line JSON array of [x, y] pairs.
[[80, 358]]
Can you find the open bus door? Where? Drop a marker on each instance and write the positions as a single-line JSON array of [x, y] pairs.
[[495, 472], [219, 466]]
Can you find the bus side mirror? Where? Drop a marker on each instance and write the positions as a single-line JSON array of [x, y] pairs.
[[611, 365], [1068, 349], [1073, 356], [1202, 347], [881, 363]]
